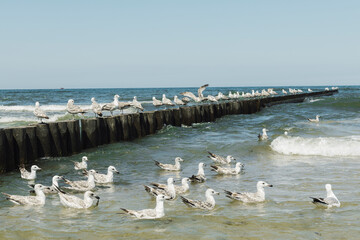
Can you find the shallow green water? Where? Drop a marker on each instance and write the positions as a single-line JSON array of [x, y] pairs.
[[286, 214]]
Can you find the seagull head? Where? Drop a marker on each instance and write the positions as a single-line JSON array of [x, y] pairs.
[[92, 172], [70, 101], [230, 158], [113, 169], [93, 99], [185, 180], [262, 184], [201, 165], [37, 104], [211, 192], [328, 187], [170, 181], [84, 159], [179, 159], [239, 165], [161, 198], [90, 194], [35, 168]]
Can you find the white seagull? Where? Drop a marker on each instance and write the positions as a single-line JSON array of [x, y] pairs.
[[136, 104], [83, 185], [112, 106], [29, 175], [178, 101], [166, 101], [171, 167], [168, 192], [96, 108], [156, 102], [309, 90], [81, 165], [208, 204], [183, 188], [72, 201], [157, 212], [230, 171], [330, 200], [284, 92], [248, 197], [220, 159], [314, 120], [51, 189], [263, 136], [40, 114], [200, 176], [73, 109], [105, 178], [38, 200]]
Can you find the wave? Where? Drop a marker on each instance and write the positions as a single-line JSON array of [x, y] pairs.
[[321, 146], [46, 108]]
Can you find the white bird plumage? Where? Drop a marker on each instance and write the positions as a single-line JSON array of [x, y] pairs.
[[111, 106], [183, 188], [105, 178], [40, 114], [171, 167], [208, 204], [330, 201], [72, 201], [83, 185], [81, 165], [73, 109], [168, 192], [229, 171], [95, 107], [29, 175], [157, 212], [220, 159], [38, 200], [248, 197], [200, 176], [264, 135], [316, 120]]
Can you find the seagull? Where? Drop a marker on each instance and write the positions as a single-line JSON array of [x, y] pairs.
[[72, 201], [29, 175], [38, 200], [112, 106], [157, 212], [96, 107], [73, 109], [230, 171], [186, 100], [284, 92], [220, 159], [51, 189], [104, 178], [40, 114], [137, 105], [200, 94], [247, 197], [83, 185], [156, 102], [208, 204], [200, 176], [170, 167], [178, 101], [167, 101], [211, 98], [168, 192], [330, 200], [314, 120], [183, 188], [309, 90], [327, 89], [81, 165], [263, 136]]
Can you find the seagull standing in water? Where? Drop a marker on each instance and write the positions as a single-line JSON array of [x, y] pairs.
[[96, 108], [316, 120], [200, 176], [40, 114], [81, 165], [38, 200], [208, 204], [29, 175], [171, 167], [112, 106], [73, 109], [183, 188], [248, 197], [228, 171], [220, 159], [263, 136], [330, 200], [72, 201], [104, 178], [157, 212]]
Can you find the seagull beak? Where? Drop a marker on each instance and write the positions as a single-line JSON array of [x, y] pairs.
[[117, 172], [217, 193], [97, 197], [270, 185]]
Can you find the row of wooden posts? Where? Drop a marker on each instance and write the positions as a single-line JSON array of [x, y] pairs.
[[23, 145]]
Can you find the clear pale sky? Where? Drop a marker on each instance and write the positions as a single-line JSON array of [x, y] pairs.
[[118, 44]]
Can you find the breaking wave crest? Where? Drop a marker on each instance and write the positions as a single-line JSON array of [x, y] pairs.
[[321, 146]]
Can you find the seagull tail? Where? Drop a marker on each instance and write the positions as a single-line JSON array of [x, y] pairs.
[[59, 190], [228, 193], [157, 163], [318, 200], [186, 201], [214, 168], [7, 195]]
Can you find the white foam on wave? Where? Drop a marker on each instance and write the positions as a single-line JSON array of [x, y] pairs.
[[52, 118], [45, 108], [321, 146]]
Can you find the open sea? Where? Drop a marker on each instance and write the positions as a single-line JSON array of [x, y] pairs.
[[298, 165]]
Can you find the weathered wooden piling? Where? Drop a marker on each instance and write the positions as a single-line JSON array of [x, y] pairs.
[[22, 145]]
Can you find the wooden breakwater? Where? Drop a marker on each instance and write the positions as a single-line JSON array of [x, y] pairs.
[[22, 145]]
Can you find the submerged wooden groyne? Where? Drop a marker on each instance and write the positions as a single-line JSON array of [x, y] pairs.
[[22, 145]]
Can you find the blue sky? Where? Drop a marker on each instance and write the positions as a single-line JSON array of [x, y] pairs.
[[89, 44]]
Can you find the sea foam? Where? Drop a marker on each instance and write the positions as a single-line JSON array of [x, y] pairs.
[[321, 146]]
